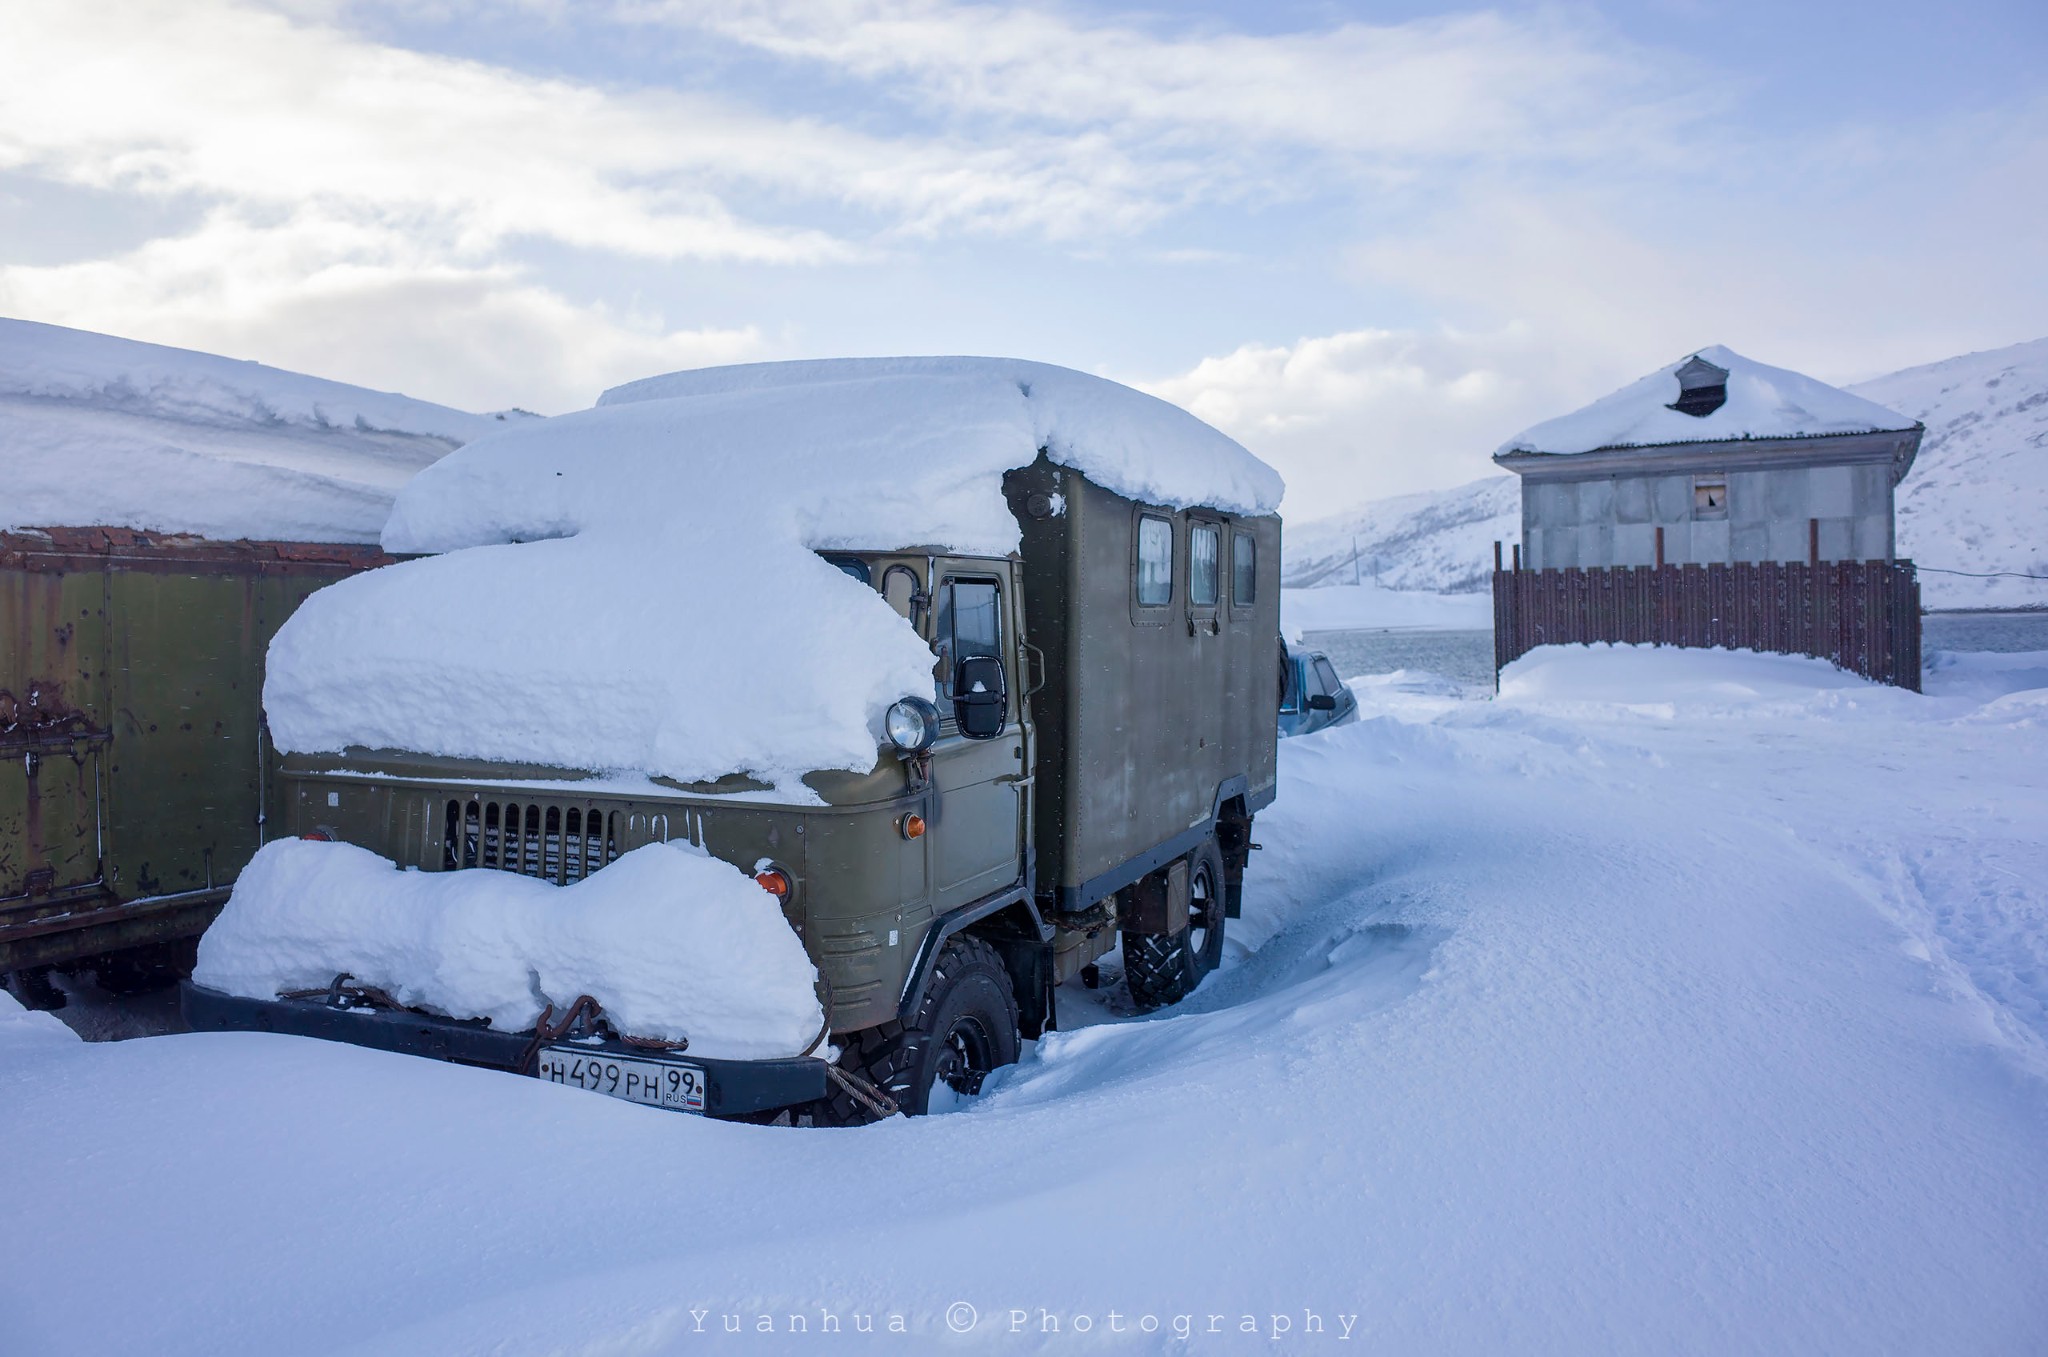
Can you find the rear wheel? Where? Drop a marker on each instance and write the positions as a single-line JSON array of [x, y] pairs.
[[965, 1029], [1164, 968]]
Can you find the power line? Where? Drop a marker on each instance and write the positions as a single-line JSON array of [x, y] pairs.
[[1982, 575]]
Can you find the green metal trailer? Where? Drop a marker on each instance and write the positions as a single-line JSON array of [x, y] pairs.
[[135, 777]]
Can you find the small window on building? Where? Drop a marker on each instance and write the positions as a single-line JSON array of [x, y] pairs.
[[1244, 568], [1702, 388], [1155, 562], [1204, 552], [1710, 497]]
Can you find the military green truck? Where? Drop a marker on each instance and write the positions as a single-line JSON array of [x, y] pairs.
[[135, 780], [1102, 736]]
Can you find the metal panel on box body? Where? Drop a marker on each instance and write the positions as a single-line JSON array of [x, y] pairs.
[[1142, 720], [53, 722], [146, 654]]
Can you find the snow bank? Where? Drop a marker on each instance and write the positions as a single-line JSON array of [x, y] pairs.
[[1671, 677], [672, 942], [1763, 402], [23, 1031], [96, 430], [678, 621], [1538, 1035], [1351, 607], [1985, 675]]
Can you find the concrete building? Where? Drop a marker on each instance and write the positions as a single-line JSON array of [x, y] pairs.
[[1713, 459]]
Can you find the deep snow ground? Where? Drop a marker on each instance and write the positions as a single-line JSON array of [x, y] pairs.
[[1671, 1003]]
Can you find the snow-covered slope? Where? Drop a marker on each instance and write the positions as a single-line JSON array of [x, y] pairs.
[[1977, 497], [1439, 541], [96, 430]]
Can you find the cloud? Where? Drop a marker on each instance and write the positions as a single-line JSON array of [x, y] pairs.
[[363, 304], [1369, 413], [1484, 84]]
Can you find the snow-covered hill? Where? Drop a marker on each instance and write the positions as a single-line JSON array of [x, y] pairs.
[[96, 430], [1977, 497], [1439, 541]]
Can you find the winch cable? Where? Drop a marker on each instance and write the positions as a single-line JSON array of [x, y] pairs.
[[860, 1090], [584, 1014]]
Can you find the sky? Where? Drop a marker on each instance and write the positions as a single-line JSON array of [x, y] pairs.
[[1372, 241]]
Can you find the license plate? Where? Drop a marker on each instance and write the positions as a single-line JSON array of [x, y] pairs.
[[658, 1083]]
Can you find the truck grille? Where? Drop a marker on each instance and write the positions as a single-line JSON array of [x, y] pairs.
[[553, 842]]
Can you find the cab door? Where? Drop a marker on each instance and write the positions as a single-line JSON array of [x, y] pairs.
[[980, 760]]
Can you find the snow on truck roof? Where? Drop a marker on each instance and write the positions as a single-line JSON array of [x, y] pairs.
[[99, 431], [1758, 402], [636, 587]]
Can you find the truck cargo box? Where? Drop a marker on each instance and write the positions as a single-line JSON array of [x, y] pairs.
[[135, 779]]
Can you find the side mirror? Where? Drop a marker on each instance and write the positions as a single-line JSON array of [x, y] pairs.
[[1321, 702], [980, 696]]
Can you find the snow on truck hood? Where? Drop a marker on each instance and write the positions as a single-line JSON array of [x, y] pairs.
[[1763, 402], [635, 587]]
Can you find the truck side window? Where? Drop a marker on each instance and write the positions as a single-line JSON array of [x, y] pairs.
[[1155, 562], [1244, 568], [852, 565], [969, 622], [1327, 676], [971, 679], [1203, 550], [970, 614]]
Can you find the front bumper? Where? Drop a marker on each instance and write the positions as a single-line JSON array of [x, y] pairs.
[[733, 1087]]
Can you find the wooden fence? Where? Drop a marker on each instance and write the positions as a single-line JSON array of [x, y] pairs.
[[1862, 615]]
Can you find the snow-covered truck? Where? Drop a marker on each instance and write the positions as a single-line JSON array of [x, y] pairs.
[[956, 672], [163, 512]]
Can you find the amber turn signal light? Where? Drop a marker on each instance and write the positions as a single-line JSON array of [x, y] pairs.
[[912, 826], [775, 881]]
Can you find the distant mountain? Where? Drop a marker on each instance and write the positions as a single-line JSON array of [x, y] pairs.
[[1976, 499], [99, 431], [1439, 541]]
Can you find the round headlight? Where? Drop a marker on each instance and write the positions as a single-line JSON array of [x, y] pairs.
[[912, 724]]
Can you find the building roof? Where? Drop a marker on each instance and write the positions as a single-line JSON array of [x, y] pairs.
[[1676, 405]]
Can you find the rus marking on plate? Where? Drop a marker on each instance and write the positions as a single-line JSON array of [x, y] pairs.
[[658, 1083]]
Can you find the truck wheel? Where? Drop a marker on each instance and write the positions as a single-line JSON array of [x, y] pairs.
[[965, 1029], [1164, 968]]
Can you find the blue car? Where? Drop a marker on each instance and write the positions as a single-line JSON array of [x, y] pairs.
[[1312, 697]]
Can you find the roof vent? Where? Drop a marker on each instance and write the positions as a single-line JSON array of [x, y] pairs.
[[1702, 388]]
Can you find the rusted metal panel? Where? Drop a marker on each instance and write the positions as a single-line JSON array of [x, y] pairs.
[[132, 764], [1861, 615]]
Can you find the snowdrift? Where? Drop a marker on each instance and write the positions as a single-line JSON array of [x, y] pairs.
[[634, 588], [97, 431], [672, 942]]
